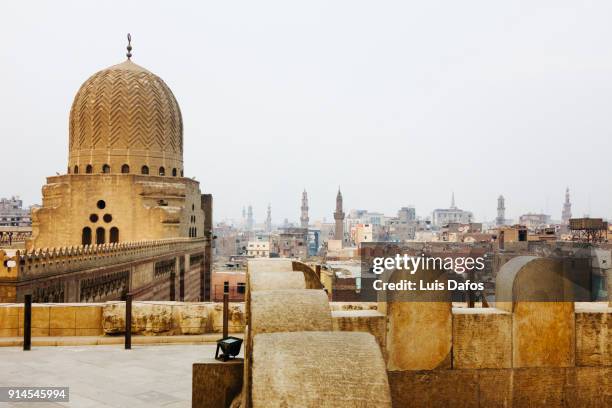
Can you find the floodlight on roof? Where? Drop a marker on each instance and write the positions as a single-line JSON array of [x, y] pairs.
[[229, 346]]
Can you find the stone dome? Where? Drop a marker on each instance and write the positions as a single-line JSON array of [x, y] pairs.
[[125, 119]]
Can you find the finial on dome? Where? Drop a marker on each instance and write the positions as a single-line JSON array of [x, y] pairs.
[[129, 46]]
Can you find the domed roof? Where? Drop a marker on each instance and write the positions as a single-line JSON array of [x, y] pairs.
[[125, 110]]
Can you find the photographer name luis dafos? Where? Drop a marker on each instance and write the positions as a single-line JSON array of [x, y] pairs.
[[459, 265]]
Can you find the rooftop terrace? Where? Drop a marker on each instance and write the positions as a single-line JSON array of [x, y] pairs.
[[107, 376]]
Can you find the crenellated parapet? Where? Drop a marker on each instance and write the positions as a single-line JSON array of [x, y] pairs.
[[41, 262]]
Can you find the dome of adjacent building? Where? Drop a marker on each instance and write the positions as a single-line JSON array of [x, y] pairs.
[[125, 119]]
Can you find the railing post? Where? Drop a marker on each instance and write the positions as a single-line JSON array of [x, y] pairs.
[[225, 315], [27, 322], [471, 296], [128, 322]]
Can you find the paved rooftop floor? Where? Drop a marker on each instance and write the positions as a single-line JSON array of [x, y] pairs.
[[106, 376]]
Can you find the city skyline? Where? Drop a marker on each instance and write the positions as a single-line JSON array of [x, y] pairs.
[[394, 121], [420, 215]]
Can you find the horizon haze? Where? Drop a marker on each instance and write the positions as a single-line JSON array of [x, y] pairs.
[[398, 103]]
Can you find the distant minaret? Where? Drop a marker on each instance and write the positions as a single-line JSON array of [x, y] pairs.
[[501, 211], [453, 206], [269, 219], [250, 221], [567, 208], [304, 217], [339, 217]]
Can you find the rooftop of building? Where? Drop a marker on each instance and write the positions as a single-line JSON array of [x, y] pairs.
[[109, 376]]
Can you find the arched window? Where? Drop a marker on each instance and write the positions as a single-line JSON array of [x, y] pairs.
[[181, 173], [106, 168], [195, 232], [144, 170], [86, 237], [89, 169], [162, 171], [173, 172], [114, 235], [125, 169], [76, 169], [100, 236]]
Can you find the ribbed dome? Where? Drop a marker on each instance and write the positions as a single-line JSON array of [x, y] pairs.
[[125, 116]]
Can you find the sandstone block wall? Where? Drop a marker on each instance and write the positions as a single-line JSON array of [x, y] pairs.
[[550, 387], [522, 354], [593, 335], [318, 369], [482, 338], [53, 320], [96, 319], [276, 280], [172, 318], [289, 310], [369, 321], [294, 359]]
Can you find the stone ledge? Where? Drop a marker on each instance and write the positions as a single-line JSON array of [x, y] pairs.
[[592, 307]]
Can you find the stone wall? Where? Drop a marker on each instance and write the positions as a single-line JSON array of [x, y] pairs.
[[53, 320], [550, 387], [160, 318], [293, 357], [522, 353], [96, 319]]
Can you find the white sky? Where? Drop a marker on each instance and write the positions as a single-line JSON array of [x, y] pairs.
[[399, 102]]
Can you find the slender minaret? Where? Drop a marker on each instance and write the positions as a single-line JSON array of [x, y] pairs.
[[567, 208], [501, 211], [269, 219], [304, 217], [339, 217], [250, 221], [453, 206]]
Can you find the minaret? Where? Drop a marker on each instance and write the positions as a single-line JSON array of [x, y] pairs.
[[250, 221], [304, 217], [453, 206], [567, 208], [339, 217], [269, 219], [501, 211]]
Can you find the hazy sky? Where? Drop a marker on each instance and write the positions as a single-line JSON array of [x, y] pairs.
[[399, 102]]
